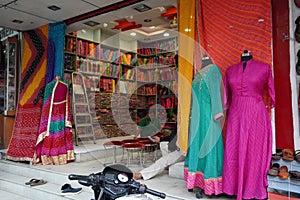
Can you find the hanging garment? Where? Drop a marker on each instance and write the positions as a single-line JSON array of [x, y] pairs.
[[30, 98], [54, 144], [204, 162], [248, 134]]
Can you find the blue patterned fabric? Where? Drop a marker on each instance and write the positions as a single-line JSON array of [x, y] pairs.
[[57, 35]]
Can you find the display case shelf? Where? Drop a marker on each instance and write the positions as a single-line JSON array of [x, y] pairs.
[[288, 185]]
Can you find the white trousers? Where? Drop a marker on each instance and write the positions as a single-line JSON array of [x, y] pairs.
[[166, 160]]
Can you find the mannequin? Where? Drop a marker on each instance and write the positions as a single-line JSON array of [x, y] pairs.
[[248, 143], [246, 56], [54, 143], [206, 61], [204, 160]]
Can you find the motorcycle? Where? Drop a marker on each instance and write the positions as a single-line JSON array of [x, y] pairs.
[[115, 182]]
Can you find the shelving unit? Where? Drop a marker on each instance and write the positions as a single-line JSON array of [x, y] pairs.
[[122, 85], [157, 80], [286, 185], [8, 87]]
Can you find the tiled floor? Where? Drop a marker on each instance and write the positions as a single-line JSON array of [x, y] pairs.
[[174, 188]]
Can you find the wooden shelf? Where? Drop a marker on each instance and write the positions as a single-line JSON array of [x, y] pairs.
[[108, 60]]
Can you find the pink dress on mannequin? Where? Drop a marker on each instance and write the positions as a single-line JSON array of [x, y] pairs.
[[248, 143]]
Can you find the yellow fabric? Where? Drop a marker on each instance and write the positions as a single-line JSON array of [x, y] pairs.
[[186, 16], [37, 79]]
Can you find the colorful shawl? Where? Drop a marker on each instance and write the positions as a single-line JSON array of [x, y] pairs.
[[32, 85], [54, 143]]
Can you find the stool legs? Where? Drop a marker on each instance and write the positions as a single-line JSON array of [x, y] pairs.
[[130, 157], [114, 148]]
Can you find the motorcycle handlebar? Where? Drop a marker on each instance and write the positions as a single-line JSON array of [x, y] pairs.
[[155, 193], [78, 177], [94, 179]]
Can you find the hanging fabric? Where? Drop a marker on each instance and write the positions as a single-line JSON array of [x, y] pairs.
[[185, 66], [32, 85]]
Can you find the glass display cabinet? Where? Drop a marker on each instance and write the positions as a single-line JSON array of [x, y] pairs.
[[10, 75], [8, 86]]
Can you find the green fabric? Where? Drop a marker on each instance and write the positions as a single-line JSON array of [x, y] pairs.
[[149, 127], [205, 151]]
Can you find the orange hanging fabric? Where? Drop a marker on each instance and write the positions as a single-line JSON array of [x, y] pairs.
[[186, 56], [227, 28]]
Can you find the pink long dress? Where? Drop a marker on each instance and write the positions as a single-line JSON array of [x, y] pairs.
[[248, 142]]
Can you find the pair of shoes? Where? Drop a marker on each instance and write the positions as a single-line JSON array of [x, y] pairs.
[[294, 175], [273, 171], [283, 172], [277, 156], [67, 189], [288, 155], [35, 182], [297, 155], [137, 175]]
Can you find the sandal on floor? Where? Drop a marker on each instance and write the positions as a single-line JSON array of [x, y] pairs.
[[31, 181], [297, 155], [294, 175], [283, 172], [273, 171], [67, 189], [276, 157], [279, 152], [35, 182], [288, 155]]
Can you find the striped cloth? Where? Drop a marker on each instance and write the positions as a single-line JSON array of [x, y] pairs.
[[227, 28]]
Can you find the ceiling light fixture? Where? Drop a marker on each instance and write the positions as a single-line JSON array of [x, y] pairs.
[[166, 34], [105, 25], [133, 34], [17, 21], [187, 30], [54, 8], [151, 33], [141, 8], [147, 20], [152, 27], [91, 23], [162, 9]]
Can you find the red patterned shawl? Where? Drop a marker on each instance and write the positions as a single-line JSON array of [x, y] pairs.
[[32, 85]]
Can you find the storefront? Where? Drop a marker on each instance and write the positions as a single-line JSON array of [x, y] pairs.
[[111, 64]]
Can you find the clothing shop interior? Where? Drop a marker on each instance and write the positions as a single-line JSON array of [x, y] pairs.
[[197, 99]]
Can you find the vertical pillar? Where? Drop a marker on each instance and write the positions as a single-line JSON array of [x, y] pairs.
[[186, 20]]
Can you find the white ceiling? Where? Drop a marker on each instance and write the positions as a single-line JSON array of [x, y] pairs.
[[35, 13]]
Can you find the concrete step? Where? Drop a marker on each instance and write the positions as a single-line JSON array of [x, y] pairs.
[[31, 171], [9, 196], [88, 151], [14, 176], [176, 170], [16, 184]]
